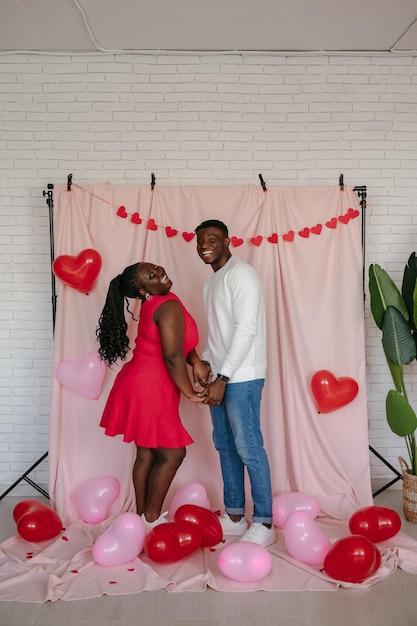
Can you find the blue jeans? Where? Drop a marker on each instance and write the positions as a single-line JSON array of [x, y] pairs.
[[238, 438]]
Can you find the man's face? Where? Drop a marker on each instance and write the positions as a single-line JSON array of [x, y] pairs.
[[213, 246]]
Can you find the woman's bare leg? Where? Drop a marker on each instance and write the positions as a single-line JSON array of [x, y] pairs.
[[142, 468], [165, 466]]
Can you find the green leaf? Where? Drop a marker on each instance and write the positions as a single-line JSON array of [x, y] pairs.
[[400, 416], [397, 337], [384, 293], [397, 373], [409, 289]]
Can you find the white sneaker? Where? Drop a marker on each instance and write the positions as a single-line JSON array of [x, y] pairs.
[[230, 527], [162, 519], [260, 534]]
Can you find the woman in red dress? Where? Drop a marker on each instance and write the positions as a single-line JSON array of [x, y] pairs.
[[143, 404]]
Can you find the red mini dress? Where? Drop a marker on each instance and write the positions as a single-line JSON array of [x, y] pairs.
[[143, 404]]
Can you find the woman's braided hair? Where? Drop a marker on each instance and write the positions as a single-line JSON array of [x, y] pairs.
[[111, 331]]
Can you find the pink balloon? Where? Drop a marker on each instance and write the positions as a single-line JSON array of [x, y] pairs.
[[83, 376], [94, 497], [245, 561], [121, 542], [192, 493], [286, 503], [304, 539]]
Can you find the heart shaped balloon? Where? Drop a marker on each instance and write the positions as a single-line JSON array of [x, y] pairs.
[[304, 539], [191, 493], [376, 523], [121, 542], [94, 497], [173, 541], [207, 522], [331, 393], [288, 502], [245, 561], [82, 376], [36, 521], [352, 559], [79, 272]]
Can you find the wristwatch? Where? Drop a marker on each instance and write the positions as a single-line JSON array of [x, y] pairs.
[[224, 379]]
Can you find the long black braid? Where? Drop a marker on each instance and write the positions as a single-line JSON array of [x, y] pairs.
[[112, 326]]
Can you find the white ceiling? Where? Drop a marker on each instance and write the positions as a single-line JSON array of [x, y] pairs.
[[209, 25]]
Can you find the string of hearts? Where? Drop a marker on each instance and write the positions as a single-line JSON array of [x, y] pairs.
[[238, 241], [273, 238]]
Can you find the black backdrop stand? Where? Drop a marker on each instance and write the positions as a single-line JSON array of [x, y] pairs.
[[361, 191]]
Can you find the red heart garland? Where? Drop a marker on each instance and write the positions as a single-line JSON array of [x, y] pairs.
[[304, 233], [344, 218], [121, 212], [256, 241], [316, 230], [353, 213], [136, 219], [273, 238], [288, 236], [236, 242], [332, 223], [331, 393], [170, 232], [188, 236], [151, 225]]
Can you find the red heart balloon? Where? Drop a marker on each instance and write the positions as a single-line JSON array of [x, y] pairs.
[[36, 521], [331, 393], [352, 559], [376, 523], [79, 272], [167, 543], [207, 522]]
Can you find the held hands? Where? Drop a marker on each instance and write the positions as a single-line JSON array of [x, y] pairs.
[[215, 392], [202, 373]]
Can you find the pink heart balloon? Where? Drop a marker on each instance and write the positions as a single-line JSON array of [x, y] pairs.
[[286, 503], [83, 376], [304, 539], [192, 493], [245, 561], [121, 542], [94, 497]]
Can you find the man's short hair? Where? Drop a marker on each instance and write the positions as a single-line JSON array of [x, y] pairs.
[[213, 224]]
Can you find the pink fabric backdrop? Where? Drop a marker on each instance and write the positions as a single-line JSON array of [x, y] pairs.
[[314, 302], [312, 278]]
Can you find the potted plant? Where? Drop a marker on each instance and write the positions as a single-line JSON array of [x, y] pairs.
[[395, 313]]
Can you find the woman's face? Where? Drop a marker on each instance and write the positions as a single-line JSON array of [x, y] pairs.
[[152, 279]]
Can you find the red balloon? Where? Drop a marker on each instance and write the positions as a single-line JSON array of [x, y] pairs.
[[352, 559], [167, 543], [207, 522], [79, 272], [376, 523], [36, 521], [331, 393]]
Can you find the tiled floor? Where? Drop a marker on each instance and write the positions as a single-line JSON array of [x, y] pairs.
[[392, 602]]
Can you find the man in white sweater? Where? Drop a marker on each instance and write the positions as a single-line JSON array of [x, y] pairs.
[[236, 356]]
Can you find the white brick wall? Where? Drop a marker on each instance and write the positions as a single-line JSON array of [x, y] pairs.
[[191, 119]]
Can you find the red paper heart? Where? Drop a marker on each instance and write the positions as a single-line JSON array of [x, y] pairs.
[[304, 233], [36, 521], [344, 218], [121, 212], [151, 225], [273, 238], [79, 272], [332, 223], [136, 219], [353, 213], [188, 236], [236, 242], [316, 230], [256, 241], [170, 232], [288, 236], [331, 393]]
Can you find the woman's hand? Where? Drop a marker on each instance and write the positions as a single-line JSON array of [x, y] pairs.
[[201, 373], [198, 397]]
